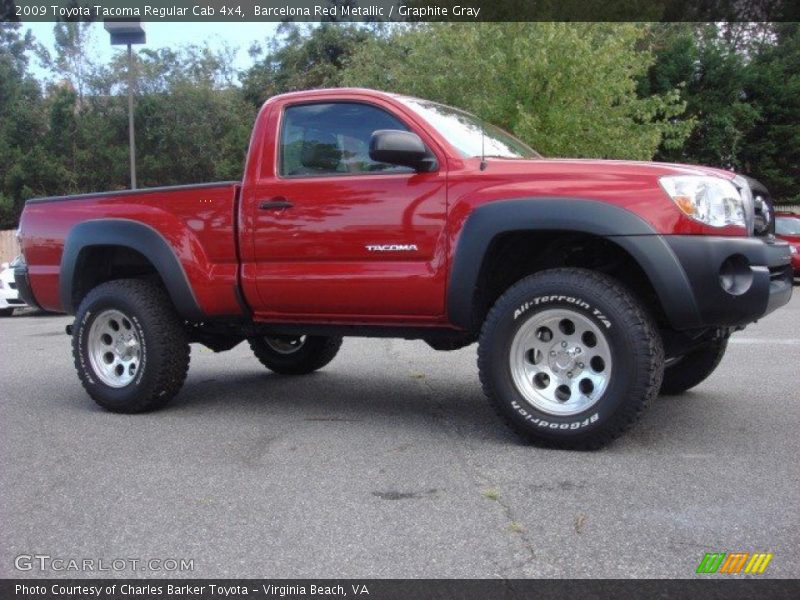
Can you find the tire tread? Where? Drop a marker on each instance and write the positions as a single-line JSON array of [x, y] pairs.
[[694, 368], [171, 342], [317, 353], [641, 327]]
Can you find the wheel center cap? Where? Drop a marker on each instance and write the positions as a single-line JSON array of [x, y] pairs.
[[564, 359], [125, 348]]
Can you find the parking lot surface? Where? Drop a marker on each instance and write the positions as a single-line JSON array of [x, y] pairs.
[[390, 463]]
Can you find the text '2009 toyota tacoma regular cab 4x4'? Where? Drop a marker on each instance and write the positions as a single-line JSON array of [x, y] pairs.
[[589, 285]]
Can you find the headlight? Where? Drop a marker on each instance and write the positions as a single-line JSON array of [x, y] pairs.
[[710, 200], [793, 249]]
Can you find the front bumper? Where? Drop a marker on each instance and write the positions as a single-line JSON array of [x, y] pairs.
[[733, 281], [10, 299]]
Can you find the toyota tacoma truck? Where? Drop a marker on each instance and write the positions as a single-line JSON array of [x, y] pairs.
[[589, 285]]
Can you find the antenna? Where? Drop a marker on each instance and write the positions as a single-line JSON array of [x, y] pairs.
[[483, 149]]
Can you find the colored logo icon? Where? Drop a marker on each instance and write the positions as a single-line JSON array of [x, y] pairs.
[[734, 562]]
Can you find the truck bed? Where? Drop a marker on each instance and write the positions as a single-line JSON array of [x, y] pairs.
[[198, 221]]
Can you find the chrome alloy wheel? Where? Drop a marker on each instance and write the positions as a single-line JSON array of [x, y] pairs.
[[560, 362], [285, 344], [114, 349]]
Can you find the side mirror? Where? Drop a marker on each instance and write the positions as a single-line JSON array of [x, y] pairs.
[[396, 147]]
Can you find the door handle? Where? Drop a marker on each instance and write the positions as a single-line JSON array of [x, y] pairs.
[[276, 203]]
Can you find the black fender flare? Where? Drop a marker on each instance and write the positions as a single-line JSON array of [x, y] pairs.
[[134, 235], [628, 230]]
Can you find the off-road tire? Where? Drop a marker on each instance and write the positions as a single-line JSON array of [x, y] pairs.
[[632, 339], [164, 345], [314, 353], [694, 367]]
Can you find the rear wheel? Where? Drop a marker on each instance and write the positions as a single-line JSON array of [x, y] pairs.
[[295, 355], [693, 368], [569, 358], [130, 348]]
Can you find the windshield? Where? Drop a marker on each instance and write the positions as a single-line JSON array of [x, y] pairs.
[[787, 225], [463, 131]]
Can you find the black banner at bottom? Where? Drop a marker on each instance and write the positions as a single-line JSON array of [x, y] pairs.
[[393, 589]]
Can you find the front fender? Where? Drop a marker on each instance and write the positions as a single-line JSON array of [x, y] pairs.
[[621, 226]]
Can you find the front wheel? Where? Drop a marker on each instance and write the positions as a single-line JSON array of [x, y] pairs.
[[130, 348], [693, 368], [569, 358], [295, 355]]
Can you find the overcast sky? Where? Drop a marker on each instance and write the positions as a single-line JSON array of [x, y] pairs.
[[161, 35]]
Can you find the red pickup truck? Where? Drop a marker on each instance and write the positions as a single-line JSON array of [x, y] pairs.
[[590, 285]]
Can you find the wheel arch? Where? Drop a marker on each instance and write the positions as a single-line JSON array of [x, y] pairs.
[[552, 222], [105, 249]]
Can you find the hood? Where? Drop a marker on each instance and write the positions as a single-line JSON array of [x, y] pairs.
[[611, 167], [631, 185], [793, 239]]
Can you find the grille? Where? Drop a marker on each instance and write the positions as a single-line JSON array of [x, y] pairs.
[[743, 184], [763, 210], [764, 213], [781, 273]]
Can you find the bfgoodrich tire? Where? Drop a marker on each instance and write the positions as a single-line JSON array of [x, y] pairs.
[[295, 355], [694, 367], [130, 347], [569, 358]]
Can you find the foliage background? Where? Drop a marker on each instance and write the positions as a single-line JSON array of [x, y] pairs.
[[721, 95]]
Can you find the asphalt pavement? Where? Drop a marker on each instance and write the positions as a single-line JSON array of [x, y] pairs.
[[388, 463]]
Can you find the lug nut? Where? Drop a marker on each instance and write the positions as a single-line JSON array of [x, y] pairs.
[[569, 374], [580, 365], [563, 344], [552, 352]]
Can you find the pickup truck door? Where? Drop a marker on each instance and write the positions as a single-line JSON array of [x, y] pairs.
[[337, 237]]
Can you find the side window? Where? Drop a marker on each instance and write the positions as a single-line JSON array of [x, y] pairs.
[[333, 139]]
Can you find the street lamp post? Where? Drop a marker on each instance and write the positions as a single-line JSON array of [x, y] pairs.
[[128, 33]]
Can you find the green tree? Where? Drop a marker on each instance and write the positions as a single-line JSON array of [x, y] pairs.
[[566, 89], [192, 124], [741, 83], [22, 167], [706, 63], [771, 150], [302, 58], [72, 61]]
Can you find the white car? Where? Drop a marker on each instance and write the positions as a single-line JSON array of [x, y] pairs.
[[9, 296]]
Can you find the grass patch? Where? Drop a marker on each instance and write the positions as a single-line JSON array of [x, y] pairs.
[[515, 527], [491, 494]]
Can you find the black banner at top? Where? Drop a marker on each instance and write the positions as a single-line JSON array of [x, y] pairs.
[[400, 10]]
